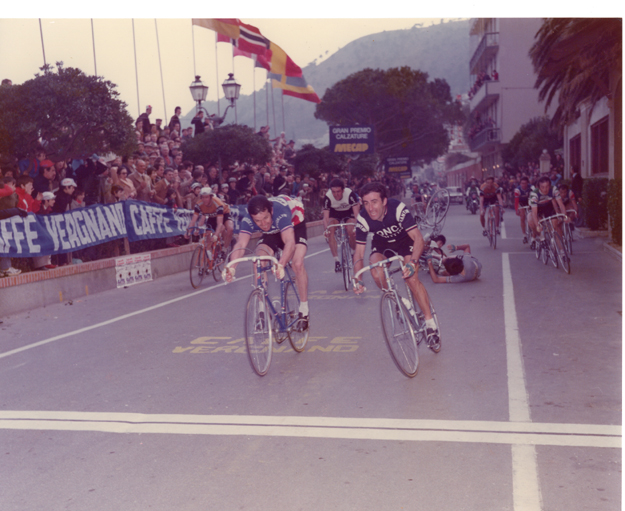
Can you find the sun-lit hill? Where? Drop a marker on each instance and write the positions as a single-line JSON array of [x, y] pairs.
[[440, 50]]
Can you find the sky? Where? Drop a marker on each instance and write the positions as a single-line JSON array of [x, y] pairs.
[[183, 51]]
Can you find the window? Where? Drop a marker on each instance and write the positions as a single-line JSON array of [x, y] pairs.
[[575, 152], [599, 147]]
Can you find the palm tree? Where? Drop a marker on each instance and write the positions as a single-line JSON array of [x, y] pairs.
[[580, 59]]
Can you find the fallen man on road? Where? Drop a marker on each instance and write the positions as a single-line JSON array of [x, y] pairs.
[[463, 268]]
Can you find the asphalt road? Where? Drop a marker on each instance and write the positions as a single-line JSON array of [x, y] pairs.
[[143, 398]]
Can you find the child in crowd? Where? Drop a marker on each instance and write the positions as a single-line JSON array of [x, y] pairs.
[[78, 199]]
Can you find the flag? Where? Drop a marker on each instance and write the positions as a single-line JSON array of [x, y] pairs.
[[225, 27], [259, 60], [294, 86], [281, 63], [245, 37]]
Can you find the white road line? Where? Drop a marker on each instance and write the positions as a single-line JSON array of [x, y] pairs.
[[525, 484], [120, 318], [490, 432]]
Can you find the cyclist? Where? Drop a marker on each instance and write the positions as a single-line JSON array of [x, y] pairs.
[[569, 202], [490, 194], [394, 230], [464, 268], [215, 213], [280, 220], [340, 205], [521, 198], [545, 201]]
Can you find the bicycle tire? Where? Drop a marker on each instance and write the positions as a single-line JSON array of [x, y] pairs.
[[568, 239], [563, 257], [219, 259], [399, 335], [494, 228], [553, 250], [258, 334], [490, 230], [297, 339], [197, 267], [436, 347], [545, 250], [345, 265]]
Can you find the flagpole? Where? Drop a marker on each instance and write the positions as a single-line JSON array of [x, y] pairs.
[[42, 46], [95, 65], [160, 65], [254, 93], [267, 97], [273, 111], [193, 44], [236, 117], [134, 44], [283, 124], [217, 76]]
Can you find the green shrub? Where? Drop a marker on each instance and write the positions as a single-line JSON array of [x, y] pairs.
[[615, 208], [595, 203]]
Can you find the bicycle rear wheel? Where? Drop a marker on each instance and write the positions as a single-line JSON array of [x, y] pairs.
[[399, 335], [297, 338], [258, 335], [197, 267], [553, 249], [218, 261], [494, 228], [568, 239]]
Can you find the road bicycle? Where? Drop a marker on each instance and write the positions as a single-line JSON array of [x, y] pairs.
[[551, 246], [492, 225], [206, 260], [403, 322], [528, 230], [345, 252], [436, 210], [266, 319]]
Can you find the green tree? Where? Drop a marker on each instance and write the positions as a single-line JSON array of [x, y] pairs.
[[70, 113], [580, 60], [407, 111], [311, 160], [230, 144], [528, 143]]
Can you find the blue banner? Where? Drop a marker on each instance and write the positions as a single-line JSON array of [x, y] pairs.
[[145, 220]]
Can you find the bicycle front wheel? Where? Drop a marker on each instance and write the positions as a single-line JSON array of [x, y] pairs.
[[436, 347], [218, 261], [563, 257], [399, 335], [346, 265], [553, 249], [258, 335], [198, 267], [568, 239], [297, 337]]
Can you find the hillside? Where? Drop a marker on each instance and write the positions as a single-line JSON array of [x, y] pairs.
[[440, 50]]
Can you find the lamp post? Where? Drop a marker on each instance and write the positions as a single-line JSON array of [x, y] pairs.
[[199, 92]]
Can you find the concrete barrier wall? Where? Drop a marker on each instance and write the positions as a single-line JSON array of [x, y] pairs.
[[32, 290]]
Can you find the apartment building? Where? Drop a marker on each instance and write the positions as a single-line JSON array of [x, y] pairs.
[[503, 97]]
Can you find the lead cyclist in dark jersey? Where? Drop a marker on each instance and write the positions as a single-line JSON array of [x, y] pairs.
[[394, 231]]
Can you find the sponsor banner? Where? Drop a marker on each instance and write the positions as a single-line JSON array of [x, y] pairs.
[[38, 235], [351, 139], [398, 166], [133, 269]]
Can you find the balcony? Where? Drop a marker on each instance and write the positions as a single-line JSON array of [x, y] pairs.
[[486, 139], [485, 96], [488, 47]]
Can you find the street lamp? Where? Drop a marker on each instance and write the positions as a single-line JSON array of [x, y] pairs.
[[199, 92]]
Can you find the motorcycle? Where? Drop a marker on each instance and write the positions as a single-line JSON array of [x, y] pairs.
[[473, 203]]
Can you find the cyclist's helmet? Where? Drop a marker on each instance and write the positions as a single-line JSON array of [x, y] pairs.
[[206, 191]]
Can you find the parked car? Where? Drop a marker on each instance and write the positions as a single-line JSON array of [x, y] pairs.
[[455, 194]]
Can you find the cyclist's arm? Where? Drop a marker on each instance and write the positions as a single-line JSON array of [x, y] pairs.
[[560, 206], [418, 245], [239, 248], [220, 225], [356, 210], [191, 224], [359, 256], [437, 279]]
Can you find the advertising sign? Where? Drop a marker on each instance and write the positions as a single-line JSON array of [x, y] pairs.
[[351, 139], [398, 166]]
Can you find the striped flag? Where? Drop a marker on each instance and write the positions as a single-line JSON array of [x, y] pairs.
[[294, 86]]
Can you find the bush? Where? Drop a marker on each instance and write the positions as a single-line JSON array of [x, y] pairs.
[[595, 203], [615, 208]]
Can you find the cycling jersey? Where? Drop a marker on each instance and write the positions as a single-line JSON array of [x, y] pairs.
[[566, 199], [393, 227], [472, 270], [490, 193], [214, 209], [287, 212], [544, 202], [340, 209], [521, 197]]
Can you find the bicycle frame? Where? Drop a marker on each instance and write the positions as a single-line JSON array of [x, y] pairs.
[[345, 250]]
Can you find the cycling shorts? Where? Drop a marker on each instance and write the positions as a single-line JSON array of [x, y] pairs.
[[342, 215], [274, 241], [490, 201], [402, 246], [545, 210]]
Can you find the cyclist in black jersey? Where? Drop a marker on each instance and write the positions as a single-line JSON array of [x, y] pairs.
[[340, 205], [521, 199], [394, 231], [545, 202]]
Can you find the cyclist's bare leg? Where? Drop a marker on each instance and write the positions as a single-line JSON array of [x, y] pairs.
[[483, 218], [262, 250], [419, 292], [229, 229], [332, 237], [301, 276], [522, 217], [351, 232]]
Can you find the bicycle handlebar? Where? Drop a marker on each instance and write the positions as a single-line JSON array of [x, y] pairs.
[[380, 263], [253, 259], [558, 215], [342, 225]]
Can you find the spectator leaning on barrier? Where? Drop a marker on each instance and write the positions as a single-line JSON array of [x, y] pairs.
[[142, 182], [64, 196], [8, 208], [24, 189]]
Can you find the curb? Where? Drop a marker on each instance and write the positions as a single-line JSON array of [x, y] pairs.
[[613, 251]]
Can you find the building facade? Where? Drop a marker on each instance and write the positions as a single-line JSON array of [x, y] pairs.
[[502, 97]]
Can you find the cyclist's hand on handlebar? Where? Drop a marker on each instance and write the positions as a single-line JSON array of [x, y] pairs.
[[410, 269], [279, 269], [228, 274], [359, 287]]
